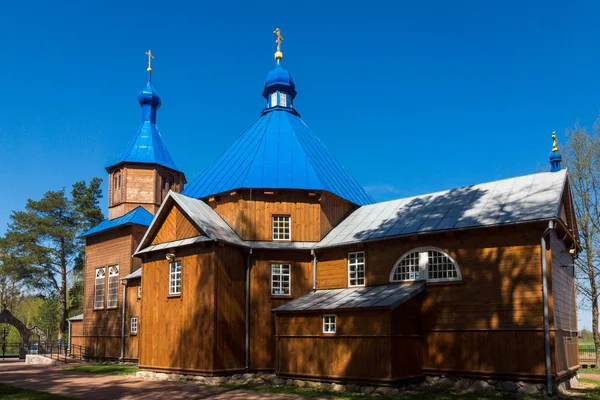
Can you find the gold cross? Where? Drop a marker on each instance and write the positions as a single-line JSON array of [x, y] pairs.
[[278, 53], [150, 57], [554, 146]]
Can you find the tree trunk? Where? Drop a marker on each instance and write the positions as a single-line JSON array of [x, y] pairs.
[[593, 295], [62, 331]]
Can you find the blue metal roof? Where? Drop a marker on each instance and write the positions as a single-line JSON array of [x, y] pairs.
[[137, 216], [147, 145], [278, 152]]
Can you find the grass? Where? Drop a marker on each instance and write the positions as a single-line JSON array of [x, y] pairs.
[[105, 369], [584, 371], [14, 393]]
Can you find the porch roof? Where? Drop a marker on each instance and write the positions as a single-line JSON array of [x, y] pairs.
[[389, 296]]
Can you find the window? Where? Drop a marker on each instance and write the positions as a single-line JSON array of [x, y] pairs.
[[427, 263], [113, 286], [273, 99], [280, 279], [356, 269], [99, 288], [281, 227], [134, 325], [175, 277], [116, 189], [282, 99], [329, 324], [140, 292]]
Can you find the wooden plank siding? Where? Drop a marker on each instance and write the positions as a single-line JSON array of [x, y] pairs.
[[76, 332], [369, 345], [262, 321], [249, 213], [175, 226], [132, 309]]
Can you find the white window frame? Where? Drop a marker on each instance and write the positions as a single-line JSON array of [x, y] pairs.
[[282, 99], [175, 278], [112, 300], [424, 265], [356, 271], [330, 324], [273, 233], [133, 326], [281, 275], [274, 99], [139, 291], [100, 277]]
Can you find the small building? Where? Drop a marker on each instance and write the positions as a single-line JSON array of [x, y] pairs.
[[276, 259]]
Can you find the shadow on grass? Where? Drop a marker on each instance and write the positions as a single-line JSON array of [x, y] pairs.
[[15, 393], [105, 369]]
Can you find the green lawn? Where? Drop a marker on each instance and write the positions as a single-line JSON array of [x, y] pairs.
[[14, 393], [105, 369]]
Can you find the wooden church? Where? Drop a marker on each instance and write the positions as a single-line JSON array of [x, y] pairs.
[[276, 259]]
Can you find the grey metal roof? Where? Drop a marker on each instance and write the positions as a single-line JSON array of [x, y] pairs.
[[135, 274], [390, 296], [259, 244], [515, 200], [175, 243], [77, 318]]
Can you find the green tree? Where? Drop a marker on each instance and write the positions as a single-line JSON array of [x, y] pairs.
[[43, 240], [582, 156]]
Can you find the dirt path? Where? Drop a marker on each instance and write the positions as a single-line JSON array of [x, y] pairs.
[[80, 385]]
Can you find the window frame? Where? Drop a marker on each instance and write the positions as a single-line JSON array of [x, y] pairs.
[[139, 292], [289, 217], [172, 264], [112, 274], [103, 278], [424, 266], [364, 269], [274, 99], [282, 99], [281, 274], [329, 324], [131, 330]]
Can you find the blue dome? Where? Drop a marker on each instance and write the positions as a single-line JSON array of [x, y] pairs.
[[148, 96], [555, 156], [280, 79]]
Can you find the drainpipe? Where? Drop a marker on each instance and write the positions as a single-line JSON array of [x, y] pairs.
[[314, 271], [248, 265], [545, 299], [69, 341], [123, 321]]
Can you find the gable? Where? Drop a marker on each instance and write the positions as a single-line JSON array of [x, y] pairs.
[[175, 226], [567, 211]]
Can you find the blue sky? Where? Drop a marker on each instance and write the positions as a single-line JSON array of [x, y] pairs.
[[411, 97]]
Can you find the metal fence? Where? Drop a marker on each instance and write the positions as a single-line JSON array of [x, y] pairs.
[[58, 350], [587, 354]]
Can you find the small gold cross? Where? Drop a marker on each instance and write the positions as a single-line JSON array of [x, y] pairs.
[[150, 57], [278, 53]]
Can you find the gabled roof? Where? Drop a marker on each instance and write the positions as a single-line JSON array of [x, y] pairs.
[[508, 201], [278, 151], [135, 274], [200, 213], [76, 318], [388, 296], [137, 216], [147, 146]]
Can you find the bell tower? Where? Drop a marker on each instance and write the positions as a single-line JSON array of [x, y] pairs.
[[144, 172]]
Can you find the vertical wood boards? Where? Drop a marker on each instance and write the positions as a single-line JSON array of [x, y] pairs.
[[132, 309], [175, 226], [249, 212]]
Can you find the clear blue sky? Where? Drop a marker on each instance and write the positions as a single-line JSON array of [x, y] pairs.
[[410, 97]]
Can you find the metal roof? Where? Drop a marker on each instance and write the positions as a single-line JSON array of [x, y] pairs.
[[278, 151], [135, 274], [147, 146], [77, 318], [175, 243], [515, 200], [390, 296], [137, 216], [263, 244]]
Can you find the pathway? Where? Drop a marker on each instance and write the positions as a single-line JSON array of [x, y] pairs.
[[81, 385]]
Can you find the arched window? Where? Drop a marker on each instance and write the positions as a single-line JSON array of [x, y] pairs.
[[116, 192], [166, 184], [425, 264]]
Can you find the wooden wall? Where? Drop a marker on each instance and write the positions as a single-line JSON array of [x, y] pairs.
[[369, 345], [132, 309], [76, 337], [102, 328], [468, 325], [262, 321], [250, 213], [175, 226], [207, 317]]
